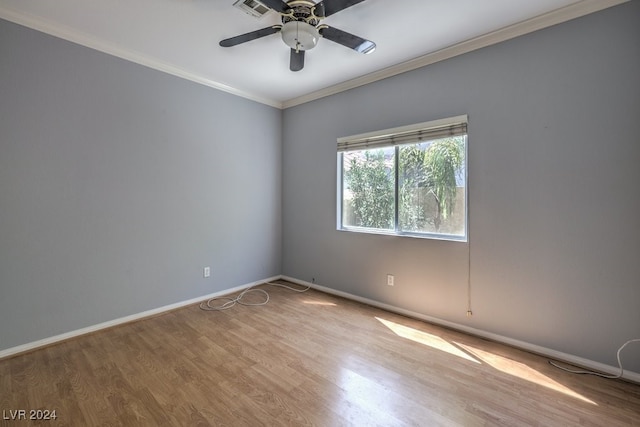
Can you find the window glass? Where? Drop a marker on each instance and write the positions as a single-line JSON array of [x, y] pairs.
[[432, 184], [368, 188]]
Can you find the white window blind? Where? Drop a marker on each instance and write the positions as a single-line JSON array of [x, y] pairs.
[[427, 131]]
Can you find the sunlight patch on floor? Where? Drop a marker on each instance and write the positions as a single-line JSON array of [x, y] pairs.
[[425, 338], [522, 371], [364, 396]]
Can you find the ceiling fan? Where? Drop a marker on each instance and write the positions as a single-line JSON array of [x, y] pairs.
[[301, 28]]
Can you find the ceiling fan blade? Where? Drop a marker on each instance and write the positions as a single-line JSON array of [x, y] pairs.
[[329, 7], [277, 5], [243, 38], [296, 63], [349, 40]]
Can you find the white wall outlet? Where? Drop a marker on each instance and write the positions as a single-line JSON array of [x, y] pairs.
[[207, 272], [390, 279]]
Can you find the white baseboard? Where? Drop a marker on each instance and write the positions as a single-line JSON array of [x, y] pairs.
[[57, 338], [543, 351]]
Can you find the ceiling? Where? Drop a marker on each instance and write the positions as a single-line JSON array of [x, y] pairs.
[[181, 37]]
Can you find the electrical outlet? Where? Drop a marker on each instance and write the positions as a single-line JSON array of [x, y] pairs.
[[390, 279], [207, 272]]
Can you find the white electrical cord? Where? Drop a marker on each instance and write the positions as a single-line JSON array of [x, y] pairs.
[[598, 374], [231, 301]]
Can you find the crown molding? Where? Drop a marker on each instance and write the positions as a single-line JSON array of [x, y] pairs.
[[549, 19], [98, 44], [555, 17]]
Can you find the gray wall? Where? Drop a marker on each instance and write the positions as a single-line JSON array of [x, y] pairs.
[[554, 167], [119, 183]]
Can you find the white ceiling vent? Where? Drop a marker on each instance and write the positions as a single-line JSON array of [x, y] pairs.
[[252, 7]]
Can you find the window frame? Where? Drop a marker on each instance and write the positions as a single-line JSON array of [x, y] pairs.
[[389, 134]]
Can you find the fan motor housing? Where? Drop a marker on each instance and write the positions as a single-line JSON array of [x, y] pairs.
[[301, 10]]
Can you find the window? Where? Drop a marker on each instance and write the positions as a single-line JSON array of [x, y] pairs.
[[406, 181]]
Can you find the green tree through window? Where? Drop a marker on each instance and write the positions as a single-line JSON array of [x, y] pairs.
[[370, 180]]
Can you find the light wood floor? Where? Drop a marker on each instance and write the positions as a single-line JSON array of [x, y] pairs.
[[303, 359]]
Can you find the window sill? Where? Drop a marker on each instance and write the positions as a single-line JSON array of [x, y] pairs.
[[393, 233]]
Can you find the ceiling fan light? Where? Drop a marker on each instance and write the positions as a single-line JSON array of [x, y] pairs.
[[299, 35]]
